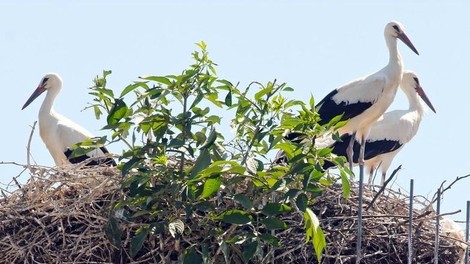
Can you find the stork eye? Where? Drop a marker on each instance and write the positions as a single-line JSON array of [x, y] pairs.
[[397, 29], [45, 80]]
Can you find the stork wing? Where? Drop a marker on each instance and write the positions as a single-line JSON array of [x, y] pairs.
[[394, 125], [351, 99], [71, 133], [388, 134], [372, 148]]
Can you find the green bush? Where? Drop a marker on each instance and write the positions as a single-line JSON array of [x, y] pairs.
[[178, 165]]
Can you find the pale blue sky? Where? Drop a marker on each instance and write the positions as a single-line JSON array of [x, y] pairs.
[[314, 46]]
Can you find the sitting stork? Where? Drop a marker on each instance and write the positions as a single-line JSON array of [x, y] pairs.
[[391, 132], [58, 132]]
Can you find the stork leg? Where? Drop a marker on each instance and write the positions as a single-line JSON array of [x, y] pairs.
[[350, 150], [359, 209], [383, 179], [371, 176]]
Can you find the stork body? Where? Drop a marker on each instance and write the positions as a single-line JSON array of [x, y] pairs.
[[391, 132], [364, 100], [60, 133]]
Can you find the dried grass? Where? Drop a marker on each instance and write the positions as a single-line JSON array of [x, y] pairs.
[[58, 217]]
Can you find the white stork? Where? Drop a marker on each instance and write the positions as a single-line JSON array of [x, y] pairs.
[[364, 100], [392, 131], [58, 132]]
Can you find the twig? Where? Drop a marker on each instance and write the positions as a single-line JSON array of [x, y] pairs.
[[383, 187], [28, 147], [434, 198]]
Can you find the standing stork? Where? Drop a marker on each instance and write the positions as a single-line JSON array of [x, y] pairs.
[[392, 131], [364, 100], [60, 133]]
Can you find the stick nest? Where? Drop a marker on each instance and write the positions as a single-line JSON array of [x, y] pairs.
[[59, 216]]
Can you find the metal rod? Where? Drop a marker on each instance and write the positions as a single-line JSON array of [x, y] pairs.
[[438, 211], [467, 225], [359, 216], [410, 224]]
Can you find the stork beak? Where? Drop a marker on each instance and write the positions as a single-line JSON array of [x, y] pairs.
[[41, 88], [425, 98], [403, 37]]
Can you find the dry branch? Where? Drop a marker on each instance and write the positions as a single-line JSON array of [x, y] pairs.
[[59, 215]]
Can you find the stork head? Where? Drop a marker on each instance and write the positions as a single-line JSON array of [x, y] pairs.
[[410, 81], [50, 81], [397, 30]]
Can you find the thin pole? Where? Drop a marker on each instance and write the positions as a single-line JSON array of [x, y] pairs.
[[359, 216], [410, 224], [467, 225], [438, 212]]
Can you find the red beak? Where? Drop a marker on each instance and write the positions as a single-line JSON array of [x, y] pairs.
[[41, 88]]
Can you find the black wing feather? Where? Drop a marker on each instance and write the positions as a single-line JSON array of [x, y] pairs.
[[94, 162], [328, 109], [372, 148]]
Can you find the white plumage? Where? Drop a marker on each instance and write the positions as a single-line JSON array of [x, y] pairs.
[[59, 132], [392, 131], [364, 100]]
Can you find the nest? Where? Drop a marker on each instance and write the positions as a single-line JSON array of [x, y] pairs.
[[59, 216]]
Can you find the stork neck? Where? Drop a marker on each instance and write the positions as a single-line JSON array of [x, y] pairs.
[[414, 104], [394, 54], [47, 106]]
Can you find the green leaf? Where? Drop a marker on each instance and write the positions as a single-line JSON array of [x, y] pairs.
[[129, 165], [228, 98], [263, 92], [272, 209], [97, 111], [340, 124], [249, 250], [316, 175], [237, 217], [324, 151], [273, 223], [113, 232], [345, 184], [117, 112], [138, 241], [301, 202], [202, 45], [192, 257], [159, 79], [270, 239], [288, 89], [210, 139], [202, 162], [106, 73], [222, 166], [243, 200], [314, 232], [211, 186], [335, 120], [132, 87], [291, 194]]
